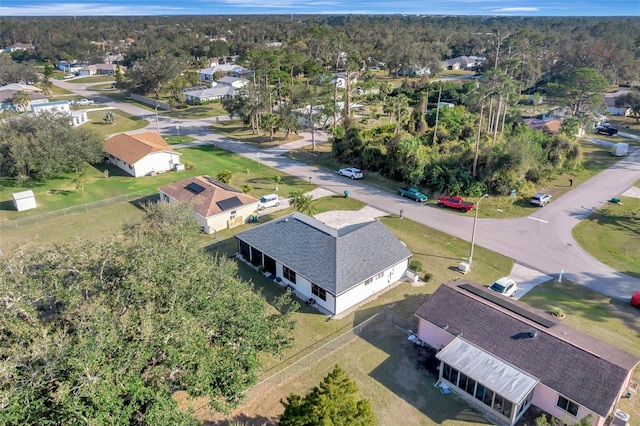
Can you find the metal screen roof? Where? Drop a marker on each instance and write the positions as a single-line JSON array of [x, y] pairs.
[[497, 375]]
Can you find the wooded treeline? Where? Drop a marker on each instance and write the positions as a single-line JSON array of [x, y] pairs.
[[537, 46], [105, 333]]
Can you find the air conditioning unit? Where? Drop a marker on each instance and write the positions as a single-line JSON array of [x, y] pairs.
[[620, 418], [464, 267]]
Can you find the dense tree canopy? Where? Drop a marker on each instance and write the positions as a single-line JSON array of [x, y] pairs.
[[45, 145], [333, 402], [104, 333]]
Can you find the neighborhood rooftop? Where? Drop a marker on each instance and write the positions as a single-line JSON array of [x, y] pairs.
[[335, 259], [562, 358]]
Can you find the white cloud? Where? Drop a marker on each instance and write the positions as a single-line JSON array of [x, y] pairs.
[[516, 9], [88, 9]]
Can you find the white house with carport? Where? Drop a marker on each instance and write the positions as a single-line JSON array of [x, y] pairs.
[[336, 267], [76, 118], [503, 357], [216, 205], [141, 154]]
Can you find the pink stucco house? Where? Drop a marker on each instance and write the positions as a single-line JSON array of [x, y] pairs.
[[503, 357]]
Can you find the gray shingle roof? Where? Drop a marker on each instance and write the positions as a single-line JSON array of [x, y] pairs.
[[335, 260], [583, 369]]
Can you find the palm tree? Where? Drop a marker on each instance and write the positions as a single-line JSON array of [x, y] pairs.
[[271, 122], [21, 100], [288, 119], [303, 203], [110, 117]]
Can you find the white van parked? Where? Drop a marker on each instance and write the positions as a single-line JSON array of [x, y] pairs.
[[269, 200]]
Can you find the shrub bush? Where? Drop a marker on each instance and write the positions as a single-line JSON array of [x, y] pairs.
[[415, 265], [427, 277]]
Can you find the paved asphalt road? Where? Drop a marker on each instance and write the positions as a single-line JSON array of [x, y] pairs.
[[541, 241]]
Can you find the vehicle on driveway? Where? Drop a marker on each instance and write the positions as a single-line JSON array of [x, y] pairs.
[[606, 129], [412, 193], [635, 299], [539, 199], [351, 172], [505, 286], [269, 200], [455, 203], [83, 102]]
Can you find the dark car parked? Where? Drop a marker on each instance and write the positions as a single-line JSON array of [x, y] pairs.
[[606, 129]]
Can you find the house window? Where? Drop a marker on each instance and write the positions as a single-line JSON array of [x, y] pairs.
[[380, 275], [568, 406], [502, 406], [451, 374], [320, 292], [369, 281], [289, 274], [233, 214], [467, 384]]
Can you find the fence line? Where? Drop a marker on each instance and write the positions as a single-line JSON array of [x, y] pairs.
[[74, 209], [323, 351]]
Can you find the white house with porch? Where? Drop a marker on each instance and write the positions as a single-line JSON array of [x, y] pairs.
[[337, 267]]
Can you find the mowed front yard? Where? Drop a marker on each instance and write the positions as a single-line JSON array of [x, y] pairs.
[[61, 193], [612, 234]]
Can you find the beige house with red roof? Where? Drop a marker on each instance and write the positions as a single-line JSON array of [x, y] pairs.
[[216, 206], [141, 154]]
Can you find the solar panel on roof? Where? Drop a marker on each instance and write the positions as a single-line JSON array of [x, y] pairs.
[[509, 305], [195, 188], [229, 203]]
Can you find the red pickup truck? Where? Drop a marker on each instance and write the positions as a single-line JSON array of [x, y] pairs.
[[455, 203]]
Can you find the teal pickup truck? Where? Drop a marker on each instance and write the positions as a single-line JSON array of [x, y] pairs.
[[412, 193]]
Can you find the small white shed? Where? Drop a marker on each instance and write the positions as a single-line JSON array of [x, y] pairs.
[[24, 200]]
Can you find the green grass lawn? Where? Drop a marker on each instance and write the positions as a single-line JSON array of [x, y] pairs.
[[61, 193], [198, 111], [176, 140], [92, 79], [237, 130], [612, 235], [124, 122]]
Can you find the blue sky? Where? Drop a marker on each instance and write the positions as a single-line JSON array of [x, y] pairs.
[[241, 7]]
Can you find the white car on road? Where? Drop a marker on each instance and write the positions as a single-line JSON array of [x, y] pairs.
[[351, 172]]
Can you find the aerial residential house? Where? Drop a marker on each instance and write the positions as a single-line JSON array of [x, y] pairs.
[[549, 126], [337, 266], [76, 118], [232, 70], [216, 205], [8, 91], [463, 63], [502, 357], [69, 67], [610, 102], [225, 88], [18, 46], [141, 154], [98, 69]]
